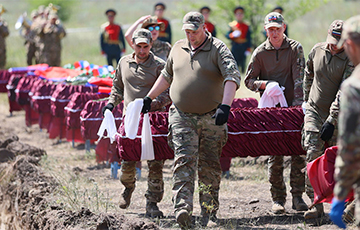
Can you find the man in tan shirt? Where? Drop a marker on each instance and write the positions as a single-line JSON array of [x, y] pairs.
[[203, 78], [280, 59], [135, 75]]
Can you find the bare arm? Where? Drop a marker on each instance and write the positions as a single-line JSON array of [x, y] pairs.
[[229, 92], [133, 27], [160, 85]]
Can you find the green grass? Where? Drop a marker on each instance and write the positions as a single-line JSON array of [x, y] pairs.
[[308, 30]]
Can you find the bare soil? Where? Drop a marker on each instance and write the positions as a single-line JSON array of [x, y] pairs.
[[63, 187]]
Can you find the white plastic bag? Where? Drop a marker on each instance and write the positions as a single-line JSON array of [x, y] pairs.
[[147, 148], [273, 95], [132, 118], [109, 125]]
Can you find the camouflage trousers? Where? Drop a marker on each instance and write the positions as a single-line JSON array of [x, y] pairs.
[[197, 143], [276, 177], [30, 52], [155, 189], [312, 143], [2, 58]]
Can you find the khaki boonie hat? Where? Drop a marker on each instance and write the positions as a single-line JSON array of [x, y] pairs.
[[142, 36], [352, 25], [153, 21], [193, 20], [273, 19], [334, 32]]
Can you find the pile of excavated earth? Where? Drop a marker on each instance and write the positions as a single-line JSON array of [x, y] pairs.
[[25, 194]]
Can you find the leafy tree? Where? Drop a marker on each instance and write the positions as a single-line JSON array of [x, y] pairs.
[[255, 11]]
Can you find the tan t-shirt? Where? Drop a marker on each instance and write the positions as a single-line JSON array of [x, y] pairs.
[[133, 80], [197, 80]]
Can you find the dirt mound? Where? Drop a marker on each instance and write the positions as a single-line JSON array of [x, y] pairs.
[[25, 192]]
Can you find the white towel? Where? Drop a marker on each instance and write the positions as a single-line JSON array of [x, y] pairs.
[[132, 118], [147, 148], [107, 124], [273, 95]]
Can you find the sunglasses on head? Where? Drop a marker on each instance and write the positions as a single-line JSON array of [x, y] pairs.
[[151, 28]]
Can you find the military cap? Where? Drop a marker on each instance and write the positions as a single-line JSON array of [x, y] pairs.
[[273, 19], [352, 25], [193, 20], [110, 10], [278, 8], [239, 8], [152, 21], [160, 5], [142, 36], [41, 9], [34, 13], [334, 32], [205, 8]]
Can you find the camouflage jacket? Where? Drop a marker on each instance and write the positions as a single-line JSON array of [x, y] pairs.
[[161, 49], [323, 76], [347, 164], [284, 65]]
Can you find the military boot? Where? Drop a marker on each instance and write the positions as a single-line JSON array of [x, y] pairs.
[[205, 217], [278, 207], [183, 219], [316, 212], [298, 204], [152, 210], [125, 197]]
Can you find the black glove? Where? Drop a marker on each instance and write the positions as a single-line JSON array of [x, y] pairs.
[[327, 130], [109, 106], [147, 105], [222, 114]]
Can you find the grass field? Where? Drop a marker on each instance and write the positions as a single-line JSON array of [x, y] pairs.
[[82, 41]]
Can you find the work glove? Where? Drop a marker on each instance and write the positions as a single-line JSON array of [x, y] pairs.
[[336, 212], [222, 114], [147, 105], [236, 33], [109, 106], [327, 130]]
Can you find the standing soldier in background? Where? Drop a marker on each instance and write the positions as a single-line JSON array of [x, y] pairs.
[[327, 66], [135, 75], [29, 36], [52, 34], [159, 48], [4, 32], [280, 60], [209, 26], [165, 32], [112, 40], [240, 36], [347, 164], [36, 28]]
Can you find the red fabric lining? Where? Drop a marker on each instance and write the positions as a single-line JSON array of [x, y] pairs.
[[239, 145], [321, 176], [4, 79]]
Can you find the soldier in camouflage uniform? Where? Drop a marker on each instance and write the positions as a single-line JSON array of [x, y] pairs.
[[203, 77], [52, 34], [347, 164], [159, 48], [135, 75], [36, 28], [280, 59], [326, 68], [29, 36], [4, 32]]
